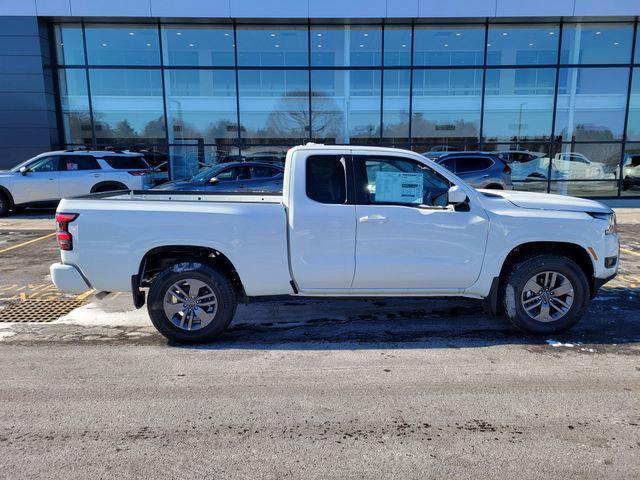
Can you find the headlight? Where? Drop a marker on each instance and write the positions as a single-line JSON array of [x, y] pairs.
[[612, 226]]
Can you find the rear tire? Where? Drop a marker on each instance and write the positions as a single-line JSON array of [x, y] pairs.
[[545, 294], [191, 303], [4, 205]]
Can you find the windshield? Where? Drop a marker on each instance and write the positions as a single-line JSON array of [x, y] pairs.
[[207, 173], [25, 163]]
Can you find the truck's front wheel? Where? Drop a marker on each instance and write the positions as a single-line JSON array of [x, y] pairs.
[[545, 294], [191, 303]]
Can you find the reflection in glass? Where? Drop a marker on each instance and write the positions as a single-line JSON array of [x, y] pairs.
[[446, 105], [522, 44], [269, 154], [446, 45], [395, 109], [529, 163], [346, 46], [122, 45], [633, 123], [589, 161], [345, 106], [75, 106], [201, 105], [187, 160], [631, 170], [197, 45], [596, 43], [69, 44], [577, 188], [397, 46], [272, 46], [518, 104], [127, 106], [591, 103], [274, 106]]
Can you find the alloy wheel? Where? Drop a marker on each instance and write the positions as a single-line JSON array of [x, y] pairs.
[[547, 296]]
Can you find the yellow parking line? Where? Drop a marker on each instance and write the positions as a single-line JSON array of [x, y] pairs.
[[86, 294], [630, 252], [13, 247]]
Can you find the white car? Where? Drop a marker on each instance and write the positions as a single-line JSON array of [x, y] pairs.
[[48, 177], [351, 222]]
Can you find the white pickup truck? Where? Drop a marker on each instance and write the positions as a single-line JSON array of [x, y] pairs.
[[351, 222]]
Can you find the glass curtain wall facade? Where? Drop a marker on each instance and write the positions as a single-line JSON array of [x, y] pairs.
[[563, 97]]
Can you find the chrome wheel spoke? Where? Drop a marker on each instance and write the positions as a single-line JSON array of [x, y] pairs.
[[559, 304], [533, 286], [543, 316], [563, 289], [171, 309], [194, 287], [203, 316], [179, 293]]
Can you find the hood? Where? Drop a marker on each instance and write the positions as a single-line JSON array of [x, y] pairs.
[[548, 201], [184, 185]]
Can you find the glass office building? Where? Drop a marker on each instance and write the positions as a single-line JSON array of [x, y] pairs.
[[553, 86], [566, 92]]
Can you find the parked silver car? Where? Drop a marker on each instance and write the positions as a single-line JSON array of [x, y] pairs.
[[479, 169]]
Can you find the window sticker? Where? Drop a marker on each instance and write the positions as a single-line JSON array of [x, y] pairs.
[[399, 187], [72, 166]]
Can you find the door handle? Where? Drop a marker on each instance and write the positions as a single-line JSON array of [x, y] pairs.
[[96, 175], [375, 218]]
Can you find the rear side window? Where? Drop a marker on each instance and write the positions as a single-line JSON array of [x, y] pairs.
[[262, 171], [126, 163], [72, 163], [472, 164], [326, 179], [449, 164]]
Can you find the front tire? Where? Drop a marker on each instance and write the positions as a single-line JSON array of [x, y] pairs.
[[191, 303], [545, 294], [4, 205]]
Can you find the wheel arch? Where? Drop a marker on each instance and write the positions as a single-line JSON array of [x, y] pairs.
[[108, 184], [573, 251], [159, 258]]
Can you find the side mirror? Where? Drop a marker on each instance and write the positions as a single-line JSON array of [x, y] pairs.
[[24, 170], [456, 196], [214, 181]]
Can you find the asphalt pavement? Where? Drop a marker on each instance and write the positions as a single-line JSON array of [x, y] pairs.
[[314, 389]]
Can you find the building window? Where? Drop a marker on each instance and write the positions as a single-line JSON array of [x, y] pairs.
[[75, 106], [122, 45], [522, 44], [591, 43], [272, 46], [591, 104], [344, 46], [197, 46], [69, 44], [448, 46], [518, 104]]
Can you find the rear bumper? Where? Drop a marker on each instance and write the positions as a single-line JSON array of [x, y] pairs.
[[68, 278]]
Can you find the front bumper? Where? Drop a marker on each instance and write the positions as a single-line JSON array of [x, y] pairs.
[[68, 278]]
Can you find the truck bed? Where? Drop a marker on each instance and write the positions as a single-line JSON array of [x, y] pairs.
[[119, 228]]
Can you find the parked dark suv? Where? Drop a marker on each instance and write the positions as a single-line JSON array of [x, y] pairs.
[[478, 169]]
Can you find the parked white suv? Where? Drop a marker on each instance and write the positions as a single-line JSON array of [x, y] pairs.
[[48, 177]]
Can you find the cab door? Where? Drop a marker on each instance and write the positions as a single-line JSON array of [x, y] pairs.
[[321, 223], [40, 183], [408, 239]]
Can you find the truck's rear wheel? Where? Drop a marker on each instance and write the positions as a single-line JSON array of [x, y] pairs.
[[4, 205], [545, 294], [191, 303]]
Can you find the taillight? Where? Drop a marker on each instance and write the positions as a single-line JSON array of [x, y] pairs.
[[62, 232], [138, 173]]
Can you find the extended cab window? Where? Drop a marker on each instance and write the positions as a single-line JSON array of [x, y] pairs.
[[396, 180], [326, 179], [79, 162]]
